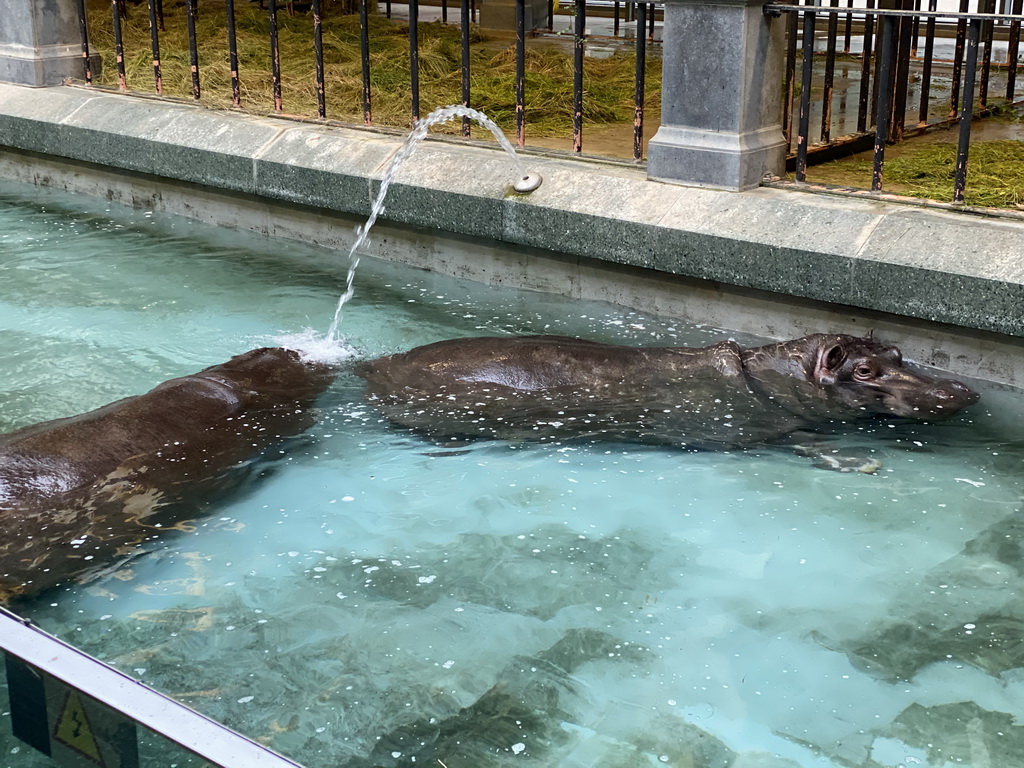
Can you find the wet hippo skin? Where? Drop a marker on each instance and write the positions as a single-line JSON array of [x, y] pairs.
[[79, 491], [554, 387]]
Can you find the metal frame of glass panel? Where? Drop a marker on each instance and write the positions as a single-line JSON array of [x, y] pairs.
[[174, 721]]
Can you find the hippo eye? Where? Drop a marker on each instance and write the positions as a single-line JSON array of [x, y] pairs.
[[864, 372]]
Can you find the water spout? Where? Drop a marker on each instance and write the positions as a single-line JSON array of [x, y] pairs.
[[526, 182]]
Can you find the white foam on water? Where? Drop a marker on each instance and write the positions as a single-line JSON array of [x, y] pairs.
[[314, 348]]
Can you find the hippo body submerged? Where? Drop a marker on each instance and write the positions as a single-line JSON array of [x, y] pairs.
[[554, 387], [77, 491]]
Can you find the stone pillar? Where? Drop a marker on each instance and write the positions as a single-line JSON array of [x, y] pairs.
[[40, 42], [721, 114], [501, 15]]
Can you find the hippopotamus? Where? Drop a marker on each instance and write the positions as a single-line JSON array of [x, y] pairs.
[[79, 491], [721, 396]]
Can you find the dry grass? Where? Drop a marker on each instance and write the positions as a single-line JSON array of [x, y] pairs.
[[924, 169], [608, 83]]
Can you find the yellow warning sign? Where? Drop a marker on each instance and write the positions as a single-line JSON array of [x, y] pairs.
[[73, 729]]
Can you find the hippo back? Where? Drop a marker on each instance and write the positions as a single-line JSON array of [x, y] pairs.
[[75, 491], [555, 387]]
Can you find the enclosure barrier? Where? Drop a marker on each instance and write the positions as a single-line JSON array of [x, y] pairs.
[[906, 62], [642, 13], [68, 705], [895, 38], [728, 138]]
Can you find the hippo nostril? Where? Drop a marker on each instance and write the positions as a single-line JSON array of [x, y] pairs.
[[954, 390]]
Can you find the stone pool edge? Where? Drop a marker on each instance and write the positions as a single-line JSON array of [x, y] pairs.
[[855, 264]]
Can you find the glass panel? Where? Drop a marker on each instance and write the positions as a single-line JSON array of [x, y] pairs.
[[44, 723]]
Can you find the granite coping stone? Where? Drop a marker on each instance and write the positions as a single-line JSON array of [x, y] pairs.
[[907, 260]]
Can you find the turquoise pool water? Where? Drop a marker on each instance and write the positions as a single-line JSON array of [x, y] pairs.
[[370, 599]]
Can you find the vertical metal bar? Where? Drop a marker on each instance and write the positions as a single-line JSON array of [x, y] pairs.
[[966, 113], [160, 14], [154, 41], [830, 75], [789, 78], [122, 82], [926, 71], [848, 28], [472, 10], [641, 71], [551, 15], [580, 31], [318, 53], [958, 57], [803, 127], [986, 60], [83, 27], [444, 11], [877, 64], [192, 13], [520, 73], [236, 90], [465, 64], [1012, 51], [615, 15], [884, 97], [414, 57], [275, 54], [865, 71], [387, 8], [901, 73], [650, 20], [916, 22], [364, 54]]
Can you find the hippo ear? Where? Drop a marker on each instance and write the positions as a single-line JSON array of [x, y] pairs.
[[894, 354], [829, 360]]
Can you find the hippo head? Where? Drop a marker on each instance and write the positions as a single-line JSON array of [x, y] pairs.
[[850, 376], [271, 376]]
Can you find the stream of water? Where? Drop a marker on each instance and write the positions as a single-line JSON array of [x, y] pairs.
[[438, 116]]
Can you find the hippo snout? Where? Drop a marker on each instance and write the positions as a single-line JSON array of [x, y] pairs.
[[956, 391], [944, 399]]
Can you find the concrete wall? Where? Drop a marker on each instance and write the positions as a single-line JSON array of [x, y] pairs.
[[947, 287]]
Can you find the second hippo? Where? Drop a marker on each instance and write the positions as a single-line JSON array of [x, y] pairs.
[[556, 387], [79, 491]]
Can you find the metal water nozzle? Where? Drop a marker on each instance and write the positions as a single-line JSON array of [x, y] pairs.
[[528, 183]]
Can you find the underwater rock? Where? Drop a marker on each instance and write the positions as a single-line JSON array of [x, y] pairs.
[[514, 572], [961, 734], [521, 715], [962, 614], [993, 643]]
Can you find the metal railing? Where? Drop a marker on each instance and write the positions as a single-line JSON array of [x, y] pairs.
[[68, 705], [890, 40], [641, 12]]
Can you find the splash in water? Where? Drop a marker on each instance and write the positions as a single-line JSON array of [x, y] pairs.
[[419, 132], [314, 348]]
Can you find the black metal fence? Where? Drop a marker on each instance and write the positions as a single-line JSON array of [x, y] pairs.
[[641, 13], [893, 49], [857, 77]]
